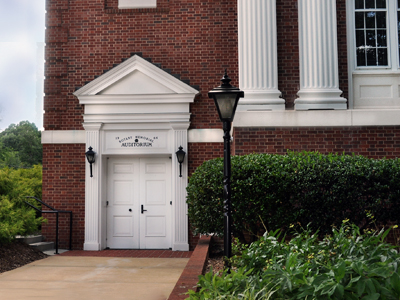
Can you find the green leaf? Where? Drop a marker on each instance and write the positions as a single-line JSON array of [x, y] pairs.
[[340, 271], [360, 287], [374, 296], [395, 283], [339, 291], [370, 287]]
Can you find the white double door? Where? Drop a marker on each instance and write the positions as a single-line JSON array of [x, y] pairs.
[[138, 207]]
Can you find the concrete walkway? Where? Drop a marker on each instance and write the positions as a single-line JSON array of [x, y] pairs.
[[70, 277]]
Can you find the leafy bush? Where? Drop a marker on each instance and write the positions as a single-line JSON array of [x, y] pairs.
[[343, 265], [16, 218], [277, 190]]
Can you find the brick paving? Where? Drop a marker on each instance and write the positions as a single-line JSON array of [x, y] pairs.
[[131, 253]]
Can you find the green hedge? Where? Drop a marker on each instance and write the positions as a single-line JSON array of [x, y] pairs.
[[275, 191]]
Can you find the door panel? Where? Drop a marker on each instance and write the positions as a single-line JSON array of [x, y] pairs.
[[123, 210], [133, 182], [155, 225]]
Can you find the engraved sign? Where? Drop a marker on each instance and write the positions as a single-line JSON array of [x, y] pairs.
[[136, 140]]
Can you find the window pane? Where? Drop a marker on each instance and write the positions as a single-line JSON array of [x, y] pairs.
[[371, 38], [381, 19], [371, 32], [360, 38], [380, 3], [360, 4], [381, 38], [360, 19], [382, 57], [371, 57], [370, 19], [369, 3], [361, 58], [398, 20]]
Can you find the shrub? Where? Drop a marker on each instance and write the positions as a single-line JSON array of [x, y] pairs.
[[16, 220], [277, 190], [343, 265]]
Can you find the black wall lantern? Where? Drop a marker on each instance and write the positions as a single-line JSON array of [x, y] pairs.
[[226, 98], [90, 158], [180, 155]]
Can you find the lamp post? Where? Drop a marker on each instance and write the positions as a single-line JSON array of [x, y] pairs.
[[226, 98]]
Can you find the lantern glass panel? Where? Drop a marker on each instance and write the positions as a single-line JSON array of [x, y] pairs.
[[226, 104]]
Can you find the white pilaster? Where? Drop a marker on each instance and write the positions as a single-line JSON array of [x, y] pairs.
[[319, 79], [180, 239], [92, 192], [258, 59]]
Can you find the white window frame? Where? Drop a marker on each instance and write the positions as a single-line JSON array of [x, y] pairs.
[[134, 4], [373, 77], [392, 40]]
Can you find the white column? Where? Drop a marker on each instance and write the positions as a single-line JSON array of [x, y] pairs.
[[319, 79], [180, 240], [258, 59], [92, 193]]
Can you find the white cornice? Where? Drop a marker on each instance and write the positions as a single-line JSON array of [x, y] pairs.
[[136, 99], [137, 118]]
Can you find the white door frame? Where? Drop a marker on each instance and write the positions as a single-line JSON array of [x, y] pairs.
[[95, 204]]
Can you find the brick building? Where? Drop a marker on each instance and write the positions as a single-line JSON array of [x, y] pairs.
[[130, 78]]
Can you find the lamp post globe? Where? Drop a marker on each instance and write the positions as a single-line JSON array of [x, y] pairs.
[[226, 98]]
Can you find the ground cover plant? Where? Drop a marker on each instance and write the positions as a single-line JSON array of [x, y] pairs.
[[346, 264], [273, 191]]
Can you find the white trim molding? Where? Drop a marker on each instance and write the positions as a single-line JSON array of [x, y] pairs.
[[258, 58], [63, 137], [319, 75], [127, 4], [318, 118]]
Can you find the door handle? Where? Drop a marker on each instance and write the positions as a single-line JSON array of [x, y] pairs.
[[143, 209], [130, 209]]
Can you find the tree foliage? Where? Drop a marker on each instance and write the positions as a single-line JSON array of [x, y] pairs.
[[16, 217], [20, 145]]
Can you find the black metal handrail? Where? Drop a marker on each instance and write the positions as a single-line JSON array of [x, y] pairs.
[[53, 210]]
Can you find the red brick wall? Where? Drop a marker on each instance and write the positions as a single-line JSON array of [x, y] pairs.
[[195, 39], [374, 142], [342, 47], [64, 189]]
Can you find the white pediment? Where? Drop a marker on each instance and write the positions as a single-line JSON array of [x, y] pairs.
[[136, 83], [135, 77]]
